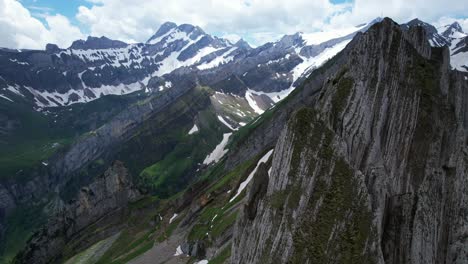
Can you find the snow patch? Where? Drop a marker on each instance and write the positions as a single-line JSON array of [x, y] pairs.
[[62, 99], [222, 59], [130, 55], [193, 130], [220, 118], [204, 261], [4, 97], [172, 218], [249, 178], [15, 89], [322, 36], [318, 60], [249, 96], [171, 62], [457, 61], [158, 39], [178, 251], [219, 150], [276, 96], [19, 62]]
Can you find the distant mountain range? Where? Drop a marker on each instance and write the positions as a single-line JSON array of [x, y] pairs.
[[91, 68]]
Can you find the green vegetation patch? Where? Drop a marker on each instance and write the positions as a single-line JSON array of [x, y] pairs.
[[336, 225], [222, 257], [20, 225], [342, 227], [160, 154], [289, 197], [230, 179], [213, 221], [128, 246], [167, 232], [340, 98], [35, 136], [218, 215], [224, 223]]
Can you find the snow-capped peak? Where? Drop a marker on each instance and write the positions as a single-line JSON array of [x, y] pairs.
[[169, 32], [163, 30], [434, 38], [452, 31], [319, 37]]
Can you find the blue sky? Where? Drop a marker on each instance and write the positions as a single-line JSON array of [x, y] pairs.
[[33, 23], [68, 8]]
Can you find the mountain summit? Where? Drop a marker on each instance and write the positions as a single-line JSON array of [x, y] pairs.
[[163, 29], [97, 43], [453, 30], [170, 30]]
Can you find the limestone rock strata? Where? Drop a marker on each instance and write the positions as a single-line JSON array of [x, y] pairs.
[[374, 171]]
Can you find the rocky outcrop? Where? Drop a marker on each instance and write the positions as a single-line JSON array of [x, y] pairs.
[[374, 171], [99, 203], [97, 43], [257, 191]]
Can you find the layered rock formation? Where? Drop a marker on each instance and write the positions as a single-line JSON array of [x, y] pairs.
[[64, 166], [374, 169], [101, 203]]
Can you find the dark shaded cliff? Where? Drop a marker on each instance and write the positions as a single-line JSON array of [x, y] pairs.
[[102, 203]]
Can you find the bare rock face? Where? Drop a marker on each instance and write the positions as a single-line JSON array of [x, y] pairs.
[[107, 196], [374, 170]]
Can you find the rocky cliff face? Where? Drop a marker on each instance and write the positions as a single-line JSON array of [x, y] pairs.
[[374, 171], [97, 143], [99, 203]]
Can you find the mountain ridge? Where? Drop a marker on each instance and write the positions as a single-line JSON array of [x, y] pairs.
[[98, 58], [337, 191]]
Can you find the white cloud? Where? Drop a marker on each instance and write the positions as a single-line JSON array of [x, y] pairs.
[[232, 37], [131, 20], [256, 20], [401, 10], [61, 31], [19, 29]]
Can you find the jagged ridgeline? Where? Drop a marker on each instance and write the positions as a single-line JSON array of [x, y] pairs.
[[364, 162]]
